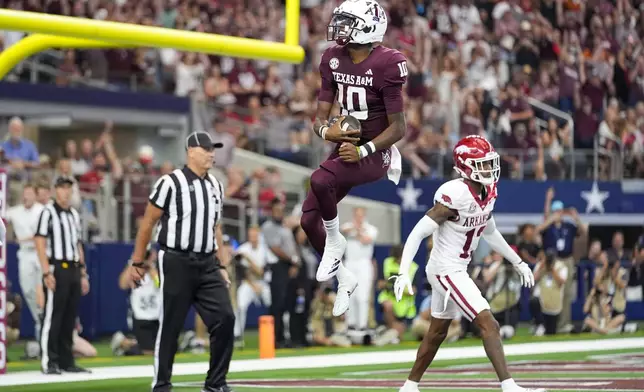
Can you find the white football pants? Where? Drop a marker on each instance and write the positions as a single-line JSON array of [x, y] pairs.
[[361, 301], [30, 277], [246, 296]]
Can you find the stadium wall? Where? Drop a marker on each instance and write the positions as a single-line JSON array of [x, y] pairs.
[[103, 311]]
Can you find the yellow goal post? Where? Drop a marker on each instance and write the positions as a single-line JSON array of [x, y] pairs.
[[53, 31]]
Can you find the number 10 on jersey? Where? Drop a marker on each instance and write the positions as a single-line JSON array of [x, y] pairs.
[[346, 96]]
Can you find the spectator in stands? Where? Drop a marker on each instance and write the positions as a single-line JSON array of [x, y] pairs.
[[516, 107], [550, 276], [244, 81], [324, 327], [397, 314], [282, 245], [189, 73], [20, 152], [217, 87], [13, 311], [503, 292], [69, 71], [545, 90], [81, 347], [559, 234], [64, 168], [270, 188], [250, 261], [79, 165], [102, 164], [586, 125], [43, 191], [555, 141]]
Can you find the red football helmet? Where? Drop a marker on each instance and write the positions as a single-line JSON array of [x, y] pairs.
[[475, 159]]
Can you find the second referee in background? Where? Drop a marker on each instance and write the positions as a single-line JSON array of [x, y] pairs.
[[188, 202], [60, 251]]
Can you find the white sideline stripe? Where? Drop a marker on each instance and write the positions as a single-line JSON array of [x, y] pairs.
[[323, 361]]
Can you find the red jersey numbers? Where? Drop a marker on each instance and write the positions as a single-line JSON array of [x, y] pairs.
[[469, 236]]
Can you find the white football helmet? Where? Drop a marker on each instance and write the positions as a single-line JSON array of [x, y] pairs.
[[357, 21]]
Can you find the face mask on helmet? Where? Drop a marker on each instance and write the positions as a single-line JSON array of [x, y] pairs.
[[486, 170], [341, 28]]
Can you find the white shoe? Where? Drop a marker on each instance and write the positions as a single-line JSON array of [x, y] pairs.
[[406, 388], [520, 389], [540, 330], [331, 259], [115, 344], [345, 289]]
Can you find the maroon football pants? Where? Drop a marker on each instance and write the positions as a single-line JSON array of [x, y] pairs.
[[330, 183]]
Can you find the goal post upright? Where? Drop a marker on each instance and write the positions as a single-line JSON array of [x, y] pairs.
[[72, 32]]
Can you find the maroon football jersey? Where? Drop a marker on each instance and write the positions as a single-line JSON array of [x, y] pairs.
[[368, 91]]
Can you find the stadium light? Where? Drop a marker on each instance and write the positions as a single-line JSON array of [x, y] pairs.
[[64, 31]]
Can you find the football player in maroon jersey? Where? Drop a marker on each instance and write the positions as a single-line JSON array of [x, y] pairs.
[[367, 80]]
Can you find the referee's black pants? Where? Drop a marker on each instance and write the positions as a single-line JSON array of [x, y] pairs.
[[59, 317], [190, 279]]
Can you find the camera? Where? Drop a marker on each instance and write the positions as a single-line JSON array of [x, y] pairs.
[[551, 254]]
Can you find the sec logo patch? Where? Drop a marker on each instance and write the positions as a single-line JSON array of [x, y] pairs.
[[334, 63]]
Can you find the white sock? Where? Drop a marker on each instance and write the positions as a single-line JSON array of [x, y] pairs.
[[410, 384], [332, 228], [507, 384]]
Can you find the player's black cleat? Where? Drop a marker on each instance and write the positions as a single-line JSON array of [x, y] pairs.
[[76, 369], [52, 369]]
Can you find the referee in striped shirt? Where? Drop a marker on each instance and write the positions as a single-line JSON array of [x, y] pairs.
[[60, 251], [188, 204]]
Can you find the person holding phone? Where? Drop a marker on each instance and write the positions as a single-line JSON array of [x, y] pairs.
[[559, 231]]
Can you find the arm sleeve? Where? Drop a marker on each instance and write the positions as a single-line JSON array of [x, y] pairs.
[[395, 76], [161, 192], [328, 87], [423, 229], [498, 243], [43, 223]]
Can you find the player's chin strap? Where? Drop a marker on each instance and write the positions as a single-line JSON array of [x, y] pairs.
[[423, 229], [495, 239], [366, 149]]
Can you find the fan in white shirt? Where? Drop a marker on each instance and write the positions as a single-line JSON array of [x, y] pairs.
[[252, 256], [23, 219], [361, 237]]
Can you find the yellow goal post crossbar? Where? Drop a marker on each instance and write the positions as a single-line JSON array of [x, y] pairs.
[[53, 31]]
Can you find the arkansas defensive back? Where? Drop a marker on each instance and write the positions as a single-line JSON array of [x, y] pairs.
[[461, 215]]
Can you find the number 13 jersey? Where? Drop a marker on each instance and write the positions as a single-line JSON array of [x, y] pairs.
[[369, 91], [457, 238]]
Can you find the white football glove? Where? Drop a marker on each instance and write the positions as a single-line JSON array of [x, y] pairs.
[[527, 278], [401, 282]]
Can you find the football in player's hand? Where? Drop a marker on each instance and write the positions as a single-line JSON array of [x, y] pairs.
[[350, 123]]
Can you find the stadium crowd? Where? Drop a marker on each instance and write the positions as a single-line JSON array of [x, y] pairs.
[[472, 64]]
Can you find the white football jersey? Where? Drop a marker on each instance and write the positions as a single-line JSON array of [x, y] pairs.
[[457, 238]]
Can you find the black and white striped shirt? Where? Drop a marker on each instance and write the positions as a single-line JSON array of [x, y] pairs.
[[192, 207], [62, 228]]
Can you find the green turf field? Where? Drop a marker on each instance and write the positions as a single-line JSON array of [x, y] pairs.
[[619, 369]]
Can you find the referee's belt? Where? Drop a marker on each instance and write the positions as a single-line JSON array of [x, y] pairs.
[[65, 263], [190, 254]]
